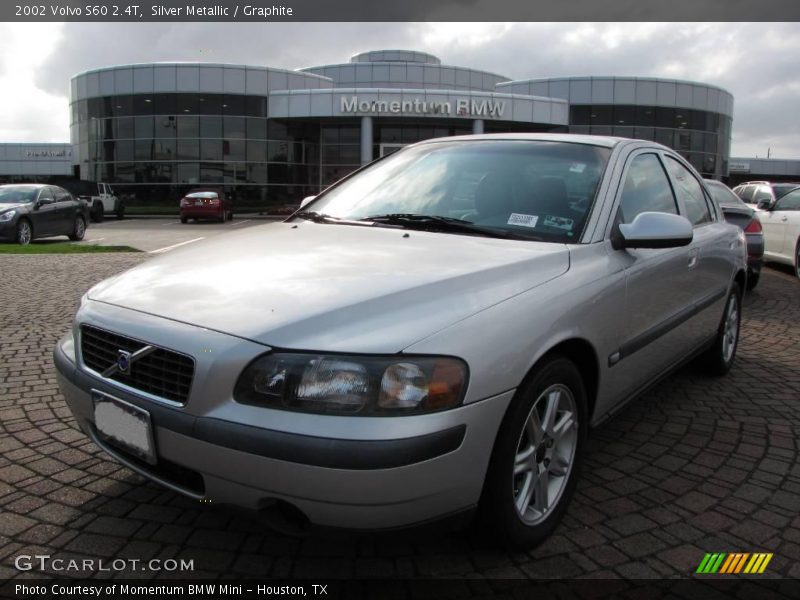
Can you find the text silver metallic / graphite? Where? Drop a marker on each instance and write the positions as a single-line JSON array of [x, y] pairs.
[[219, 10]]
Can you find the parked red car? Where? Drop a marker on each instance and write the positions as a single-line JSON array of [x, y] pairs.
[[206, 204]]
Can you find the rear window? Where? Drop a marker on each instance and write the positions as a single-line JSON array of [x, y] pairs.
[[202, 195], [724, 196]]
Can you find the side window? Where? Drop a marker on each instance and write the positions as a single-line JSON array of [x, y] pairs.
[[690, 191], [646, 189], [763, 192], [61, 195], [790, 201], [46, 195], [745, 193]]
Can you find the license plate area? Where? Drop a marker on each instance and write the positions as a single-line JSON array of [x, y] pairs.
[[125, 426]]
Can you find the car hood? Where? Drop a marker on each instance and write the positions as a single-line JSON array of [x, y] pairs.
[[333, 287], [4, 206]]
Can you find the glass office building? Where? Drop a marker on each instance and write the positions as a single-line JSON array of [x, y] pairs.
[[269, 136]]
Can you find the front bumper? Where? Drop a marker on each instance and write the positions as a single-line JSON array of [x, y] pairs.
[[386, 472], [8, 230]]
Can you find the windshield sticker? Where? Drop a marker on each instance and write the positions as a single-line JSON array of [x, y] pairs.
[[577, 167], [523, 220], [558, 222]]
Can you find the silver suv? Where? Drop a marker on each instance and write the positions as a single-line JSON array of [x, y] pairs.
[[758, 192], [432, 334]]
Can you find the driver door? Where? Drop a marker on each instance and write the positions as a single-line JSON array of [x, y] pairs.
[[44, 217], [653, 335]]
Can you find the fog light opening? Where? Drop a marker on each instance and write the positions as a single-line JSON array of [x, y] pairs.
[[284, 517]]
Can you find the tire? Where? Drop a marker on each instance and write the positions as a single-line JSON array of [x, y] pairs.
[[230, 215], [98, 212], [78, 230], [752, 280], [24, 233], [120, 214], [797, 259], [513, 508], [718, 359], [184, 220]]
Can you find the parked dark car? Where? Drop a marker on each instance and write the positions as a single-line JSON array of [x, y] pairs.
[[206, 203], [739, 213], [753, 192], [29, 211]]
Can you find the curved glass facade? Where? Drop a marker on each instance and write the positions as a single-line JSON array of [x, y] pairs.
[[702, 137], [167, 143], [271, 137]]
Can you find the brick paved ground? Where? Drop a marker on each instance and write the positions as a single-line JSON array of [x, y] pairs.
[[696, 465]]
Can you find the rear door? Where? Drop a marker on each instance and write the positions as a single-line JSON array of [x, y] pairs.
[[66, 209]]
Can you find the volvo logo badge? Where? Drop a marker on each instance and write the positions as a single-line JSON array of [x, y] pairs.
[[124, 362], [126, 359]]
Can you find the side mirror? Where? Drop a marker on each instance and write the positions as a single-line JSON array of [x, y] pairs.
[[654, 230], [764, 205], [306, 200]]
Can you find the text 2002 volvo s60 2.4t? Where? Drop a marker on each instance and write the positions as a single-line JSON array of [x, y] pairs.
[[432, 334]]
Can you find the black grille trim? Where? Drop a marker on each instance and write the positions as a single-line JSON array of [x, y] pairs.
[[163, 373]]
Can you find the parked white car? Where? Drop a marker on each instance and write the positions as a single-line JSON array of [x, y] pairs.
[[781, 224]]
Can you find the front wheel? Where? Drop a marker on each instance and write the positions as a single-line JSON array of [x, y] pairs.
[[120, 214], [98, 212], [78, 230], [718, 359], [797, 259], [534, 465], [24, 232]]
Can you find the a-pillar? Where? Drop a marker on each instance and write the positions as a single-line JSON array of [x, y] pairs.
[[366, 140]]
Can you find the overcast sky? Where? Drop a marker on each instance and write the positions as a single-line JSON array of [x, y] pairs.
[[756, 62]]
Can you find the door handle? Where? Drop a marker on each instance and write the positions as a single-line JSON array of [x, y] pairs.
[[784, 218]]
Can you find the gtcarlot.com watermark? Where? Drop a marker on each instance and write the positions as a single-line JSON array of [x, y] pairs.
[[46, 562]]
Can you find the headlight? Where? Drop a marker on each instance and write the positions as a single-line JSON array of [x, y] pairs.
[[356, 385], [7, 216]]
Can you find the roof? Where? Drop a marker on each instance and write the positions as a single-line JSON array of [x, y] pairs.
[[594, 140]]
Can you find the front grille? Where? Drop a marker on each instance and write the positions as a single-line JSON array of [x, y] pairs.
[[163, 373]]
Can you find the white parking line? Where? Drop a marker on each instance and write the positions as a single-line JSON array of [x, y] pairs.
[[172, 223], [95, 240], [242, 222], [175, 246]]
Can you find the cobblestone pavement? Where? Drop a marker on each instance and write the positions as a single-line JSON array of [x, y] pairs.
[[696, 465]]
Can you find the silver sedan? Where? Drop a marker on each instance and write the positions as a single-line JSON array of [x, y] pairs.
[[432, 335]]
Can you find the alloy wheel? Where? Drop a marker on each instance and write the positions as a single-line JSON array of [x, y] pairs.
[[24, 233], [545, 454], [731, 331], [80, 228]]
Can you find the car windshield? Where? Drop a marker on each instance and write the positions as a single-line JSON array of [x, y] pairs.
[[17, 194], [539, 190], [781, 189]]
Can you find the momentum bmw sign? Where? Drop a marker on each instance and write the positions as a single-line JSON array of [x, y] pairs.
[[461, 107]]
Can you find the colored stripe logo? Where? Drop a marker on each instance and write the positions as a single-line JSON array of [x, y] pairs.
[[734, 563]]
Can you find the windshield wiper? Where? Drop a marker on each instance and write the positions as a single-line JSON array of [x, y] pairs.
[[445, 224], [311, 215]]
